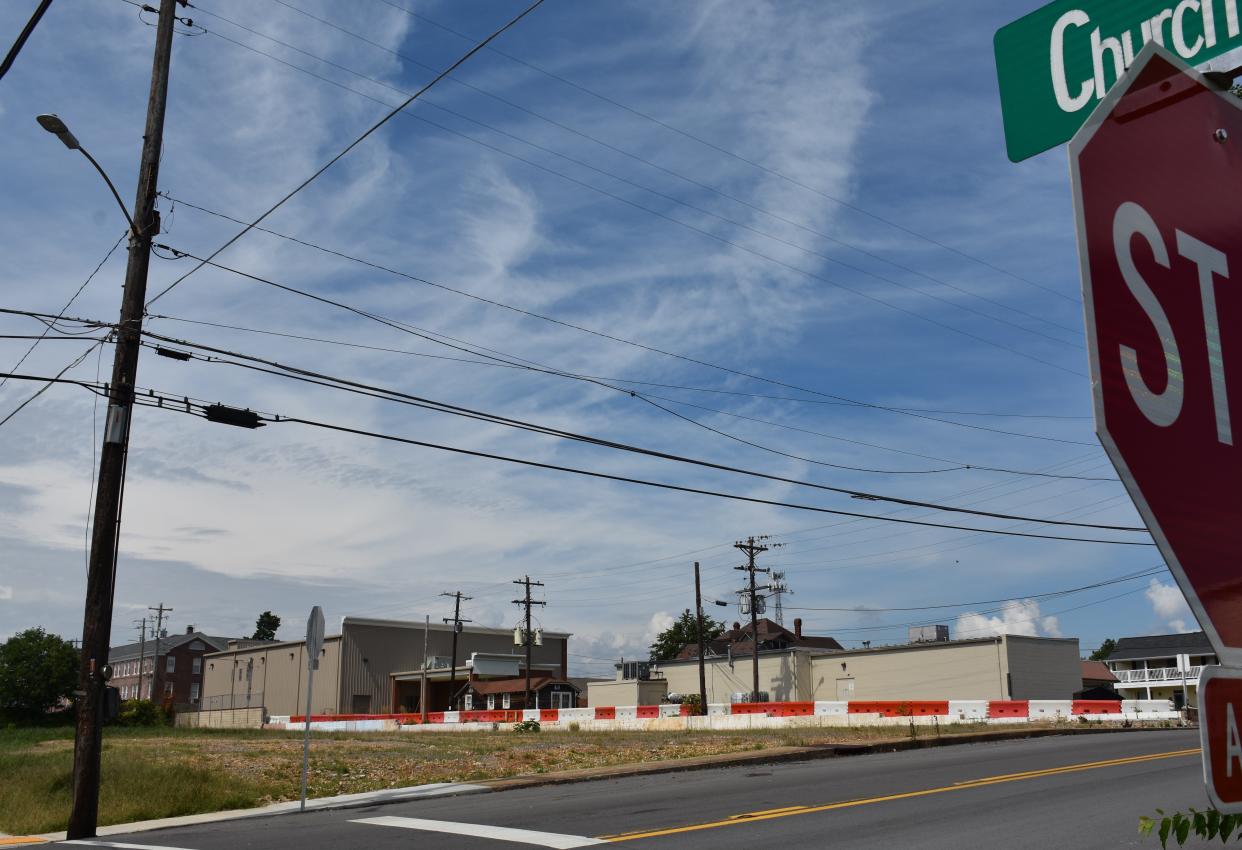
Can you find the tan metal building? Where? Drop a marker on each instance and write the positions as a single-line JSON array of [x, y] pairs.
[[372, 667], [993, 668]]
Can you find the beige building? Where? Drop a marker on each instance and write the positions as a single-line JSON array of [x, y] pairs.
[[374, 667], [994, 668]]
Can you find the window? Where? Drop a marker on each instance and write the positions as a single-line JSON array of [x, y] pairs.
[[562, 699], [170, 665], [194, 692], [168, 686], [505, 701], [468, 702], [491, 701], [198, 666]]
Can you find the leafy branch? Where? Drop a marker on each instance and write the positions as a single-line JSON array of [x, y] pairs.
[[1178, 826]]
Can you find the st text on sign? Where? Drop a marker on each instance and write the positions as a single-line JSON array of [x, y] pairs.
[[1155, 175]]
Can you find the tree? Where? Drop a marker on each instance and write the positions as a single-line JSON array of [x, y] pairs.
[[38, 672], [684, 631], [265, 627], [1105, 650]]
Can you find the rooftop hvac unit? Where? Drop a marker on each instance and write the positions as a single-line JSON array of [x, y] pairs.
[[640, 670], [929, 634]]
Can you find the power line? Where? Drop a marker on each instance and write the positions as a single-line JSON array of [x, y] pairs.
[[629, 154], [718, 148], [957, 465], [200, 411], [657, 193], [68, 304], [536, 367], [352, 145], [371, 390], [1128, 577], [707, 233], [48, 382]]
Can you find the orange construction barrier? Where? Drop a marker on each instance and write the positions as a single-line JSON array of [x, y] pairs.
[[899, 708], [1009, 708], [1096, 706]]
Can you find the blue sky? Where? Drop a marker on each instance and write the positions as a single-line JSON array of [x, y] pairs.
[[846, 221]]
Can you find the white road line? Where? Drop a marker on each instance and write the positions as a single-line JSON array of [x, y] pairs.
[[479, 830], [94, 843]]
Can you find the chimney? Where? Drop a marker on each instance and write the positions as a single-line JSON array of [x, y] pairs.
[[736, 626], [189, 630], [797, 627]]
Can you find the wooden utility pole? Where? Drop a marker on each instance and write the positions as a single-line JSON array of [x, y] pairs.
[[752, 549], [160, 611], [422, 688], [456, 621], [528, 638], [698, 608], [101, 573], [142, 652]]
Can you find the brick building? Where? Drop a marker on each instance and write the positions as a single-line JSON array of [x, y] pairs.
[[176, 674]]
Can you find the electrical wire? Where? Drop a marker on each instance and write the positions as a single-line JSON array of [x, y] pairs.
[[635, 157], [1150, 571], [733, 155], [200, 411], [48, 382], [68, 304], [394, 111], [374, 391], [519, 362], [701, 231], [672, 199]]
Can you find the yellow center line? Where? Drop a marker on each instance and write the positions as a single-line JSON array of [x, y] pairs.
[[771, 814], [17, 840]]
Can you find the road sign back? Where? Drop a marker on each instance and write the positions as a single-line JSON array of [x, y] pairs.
[[1220, 710], [1156, 172]]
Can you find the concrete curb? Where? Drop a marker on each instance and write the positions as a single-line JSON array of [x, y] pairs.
[[343, 801]]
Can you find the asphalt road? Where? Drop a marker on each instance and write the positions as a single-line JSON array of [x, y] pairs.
[[1084, 791]]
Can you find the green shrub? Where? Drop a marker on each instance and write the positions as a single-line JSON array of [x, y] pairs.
[[142, 712], [526, 726]]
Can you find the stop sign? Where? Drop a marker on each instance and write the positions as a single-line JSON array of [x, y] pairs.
[[1157, 179]]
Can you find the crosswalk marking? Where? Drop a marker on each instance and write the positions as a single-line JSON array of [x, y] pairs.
[[480, 830]]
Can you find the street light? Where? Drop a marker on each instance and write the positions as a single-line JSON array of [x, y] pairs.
[[54, 125]]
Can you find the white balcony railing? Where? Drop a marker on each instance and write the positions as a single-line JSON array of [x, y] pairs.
[[1157, 674]]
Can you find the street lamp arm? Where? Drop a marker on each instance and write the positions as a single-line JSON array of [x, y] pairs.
[[132, 227]]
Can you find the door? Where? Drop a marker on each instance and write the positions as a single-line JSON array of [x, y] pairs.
[[845, 690], [362, 704]]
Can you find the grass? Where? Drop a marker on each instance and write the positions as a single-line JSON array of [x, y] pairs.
[[162, 772]]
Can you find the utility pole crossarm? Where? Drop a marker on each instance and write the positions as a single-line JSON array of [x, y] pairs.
[[457, 622], [527, 639]]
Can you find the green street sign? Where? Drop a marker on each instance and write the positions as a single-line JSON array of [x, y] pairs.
[[1055, 64]]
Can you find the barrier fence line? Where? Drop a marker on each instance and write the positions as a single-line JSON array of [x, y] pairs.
[[760, 714]]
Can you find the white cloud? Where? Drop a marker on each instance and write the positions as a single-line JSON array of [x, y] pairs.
[[1016, 618], [1169, 605], [6, 592]]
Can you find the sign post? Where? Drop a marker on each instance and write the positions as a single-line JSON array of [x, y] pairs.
[[1055, 64], [1155, 172], [314, 642]]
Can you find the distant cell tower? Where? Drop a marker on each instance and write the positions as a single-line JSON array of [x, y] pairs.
[[778, 588]]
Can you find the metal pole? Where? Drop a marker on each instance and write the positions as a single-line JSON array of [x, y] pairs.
[[422, 688], [100, 581], [310, 678], [453, 660], [698, 607]]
